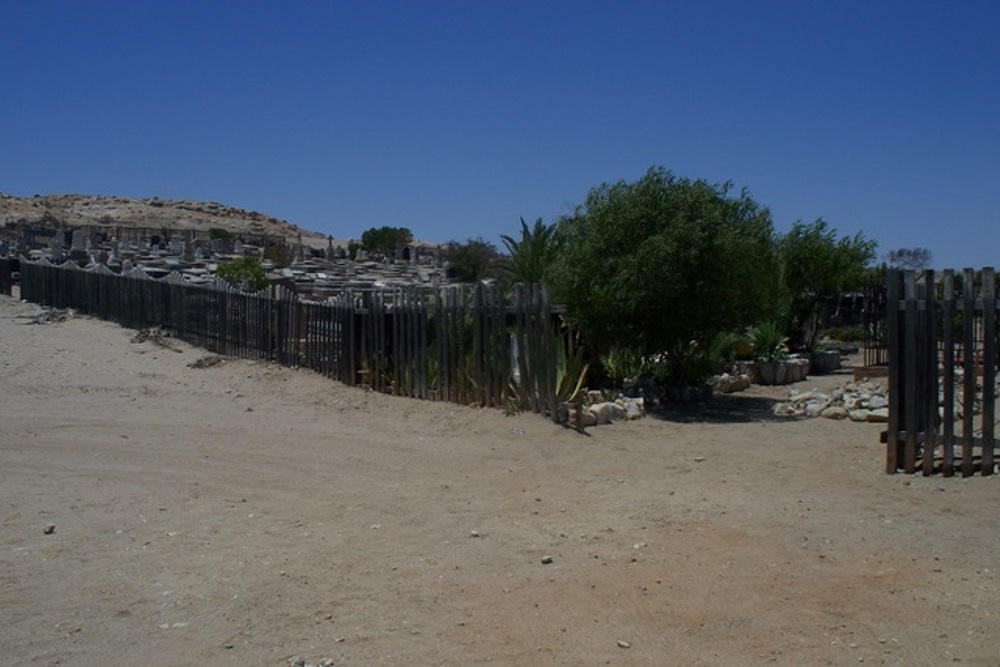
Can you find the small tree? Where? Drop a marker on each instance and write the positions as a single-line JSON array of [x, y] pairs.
[[472, 261], [278, 254], [383, 241], [663, 265], [245, 273], [916, 259], [818, 269], [530, 258]]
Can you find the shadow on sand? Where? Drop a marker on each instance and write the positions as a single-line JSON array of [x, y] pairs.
[[722, 409]]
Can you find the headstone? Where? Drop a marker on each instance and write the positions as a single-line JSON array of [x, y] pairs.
[[237, 248], [329, 248], [79, 240], [116, 256], [188, 254], [127, 266]]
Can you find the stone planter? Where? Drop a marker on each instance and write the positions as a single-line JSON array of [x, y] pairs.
[[780, 372], [825, 363]]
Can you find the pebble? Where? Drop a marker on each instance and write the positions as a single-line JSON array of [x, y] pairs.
[[546, 560], [623, 644], [49, 528]]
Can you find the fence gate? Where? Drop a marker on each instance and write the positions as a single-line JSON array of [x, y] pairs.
[[942, 340]]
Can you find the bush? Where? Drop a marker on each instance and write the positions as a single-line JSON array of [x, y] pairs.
[[246, 273], [846, 334]]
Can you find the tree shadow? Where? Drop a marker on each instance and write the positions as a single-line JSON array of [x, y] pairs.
[[721, 409]]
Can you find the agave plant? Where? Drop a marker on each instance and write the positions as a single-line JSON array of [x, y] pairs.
[[571, 373], [769, 343]]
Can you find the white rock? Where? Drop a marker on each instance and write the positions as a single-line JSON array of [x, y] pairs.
[[815, 408], [834, 412], [879, 415], [858, 415], [877, 401]]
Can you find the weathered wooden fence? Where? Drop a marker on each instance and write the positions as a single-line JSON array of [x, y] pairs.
[[876, 348], [942, 336], [468, 344]]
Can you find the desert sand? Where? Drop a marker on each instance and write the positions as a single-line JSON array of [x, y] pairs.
[[243, 513]]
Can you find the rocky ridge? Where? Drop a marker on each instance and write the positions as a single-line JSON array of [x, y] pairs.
[[72, 210]]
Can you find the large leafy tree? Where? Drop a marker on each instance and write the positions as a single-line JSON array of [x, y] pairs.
[[530, 258], [472, 261], [819, 267], [665, 264], [383, 241]]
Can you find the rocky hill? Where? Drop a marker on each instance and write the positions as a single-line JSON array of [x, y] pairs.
[[157, 214]]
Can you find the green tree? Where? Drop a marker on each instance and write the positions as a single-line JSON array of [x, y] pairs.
[[664, 265], [818, 268], [383, 241], [472, 261], [916, 259], [530, 258], [278, 254], [245, 273]]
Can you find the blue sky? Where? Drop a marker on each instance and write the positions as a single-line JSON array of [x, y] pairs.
[[455, 118]]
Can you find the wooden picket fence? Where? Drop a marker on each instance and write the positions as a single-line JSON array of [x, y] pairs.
[[468, 344], [942, 336]]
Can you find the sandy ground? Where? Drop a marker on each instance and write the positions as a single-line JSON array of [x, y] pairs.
[[244, 513]]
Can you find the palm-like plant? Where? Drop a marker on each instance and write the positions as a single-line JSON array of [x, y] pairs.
[[533, 254]]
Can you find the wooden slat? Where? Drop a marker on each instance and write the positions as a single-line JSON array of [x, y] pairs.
[[929, 372], [910, 374], [989, 369], [893, 445], [969, 367], [948, 378]]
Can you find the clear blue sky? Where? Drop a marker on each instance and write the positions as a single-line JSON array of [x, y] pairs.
[[454, 118]]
